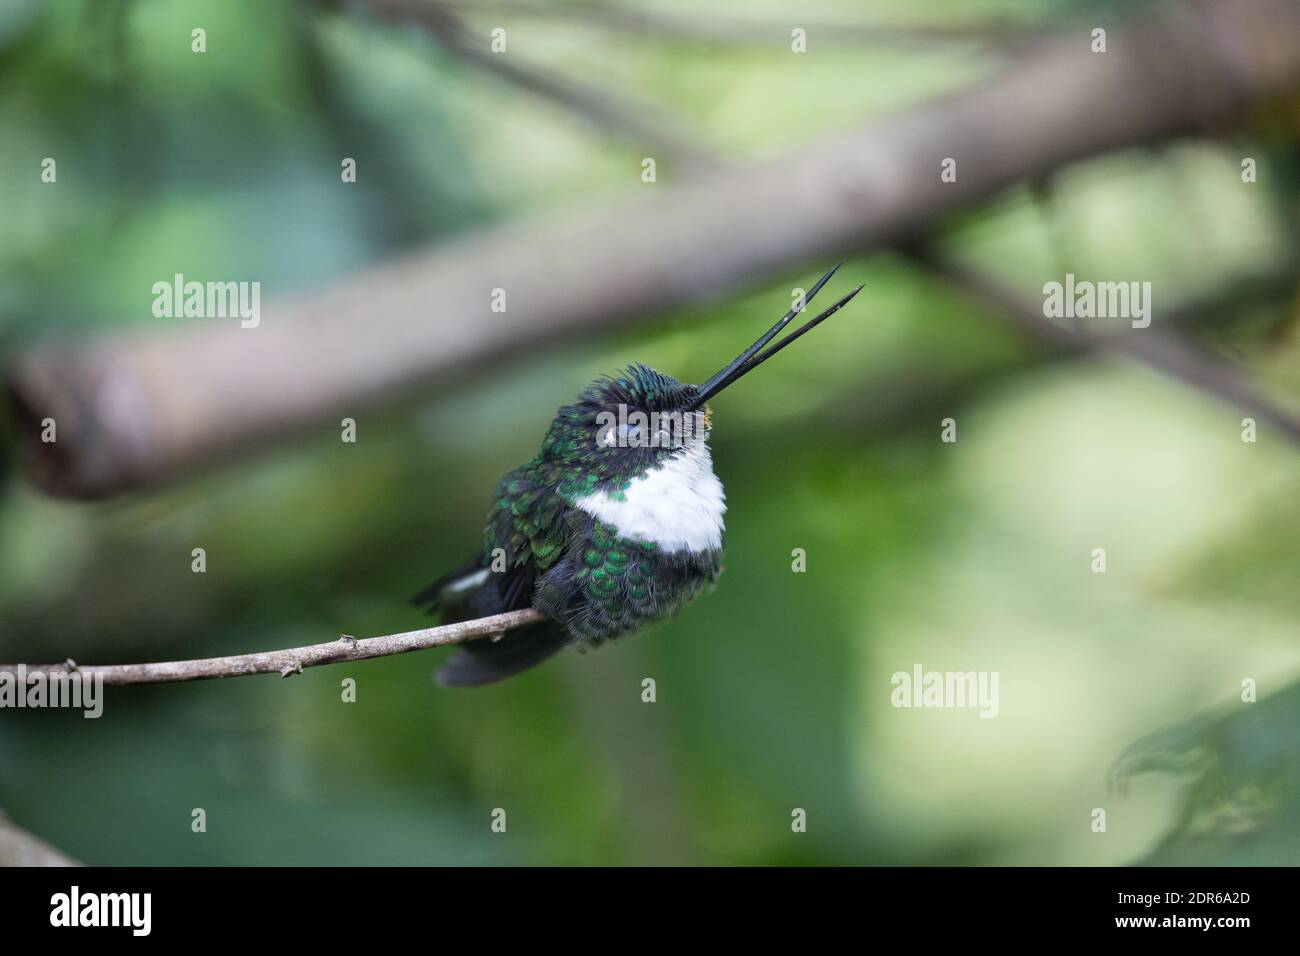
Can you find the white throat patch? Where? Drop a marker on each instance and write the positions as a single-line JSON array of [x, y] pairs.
[[678, 505]]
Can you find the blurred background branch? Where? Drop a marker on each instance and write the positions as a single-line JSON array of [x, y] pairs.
[[137, 411], [640, 122], [1164, 352], [20, 848]]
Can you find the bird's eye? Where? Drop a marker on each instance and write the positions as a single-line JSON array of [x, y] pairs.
[[622, 435]]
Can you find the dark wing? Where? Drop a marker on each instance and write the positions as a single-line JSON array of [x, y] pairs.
[[525, 536]]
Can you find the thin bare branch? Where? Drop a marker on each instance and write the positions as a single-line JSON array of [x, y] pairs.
[[292, 660]]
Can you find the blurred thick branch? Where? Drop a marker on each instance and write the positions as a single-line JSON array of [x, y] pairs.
[[292, 660], [20, 848], [134, 411]]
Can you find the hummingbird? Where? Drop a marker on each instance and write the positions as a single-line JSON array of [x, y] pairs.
[[614, 524]]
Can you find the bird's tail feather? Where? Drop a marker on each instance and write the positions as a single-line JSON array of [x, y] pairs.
[[485, 661]]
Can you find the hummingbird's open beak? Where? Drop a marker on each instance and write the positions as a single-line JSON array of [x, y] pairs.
[[751, 358]]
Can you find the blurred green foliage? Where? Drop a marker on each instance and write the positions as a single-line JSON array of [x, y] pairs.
[[773, 693]]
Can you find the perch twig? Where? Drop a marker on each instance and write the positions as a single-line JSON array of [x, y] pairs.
[[292, 660]]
